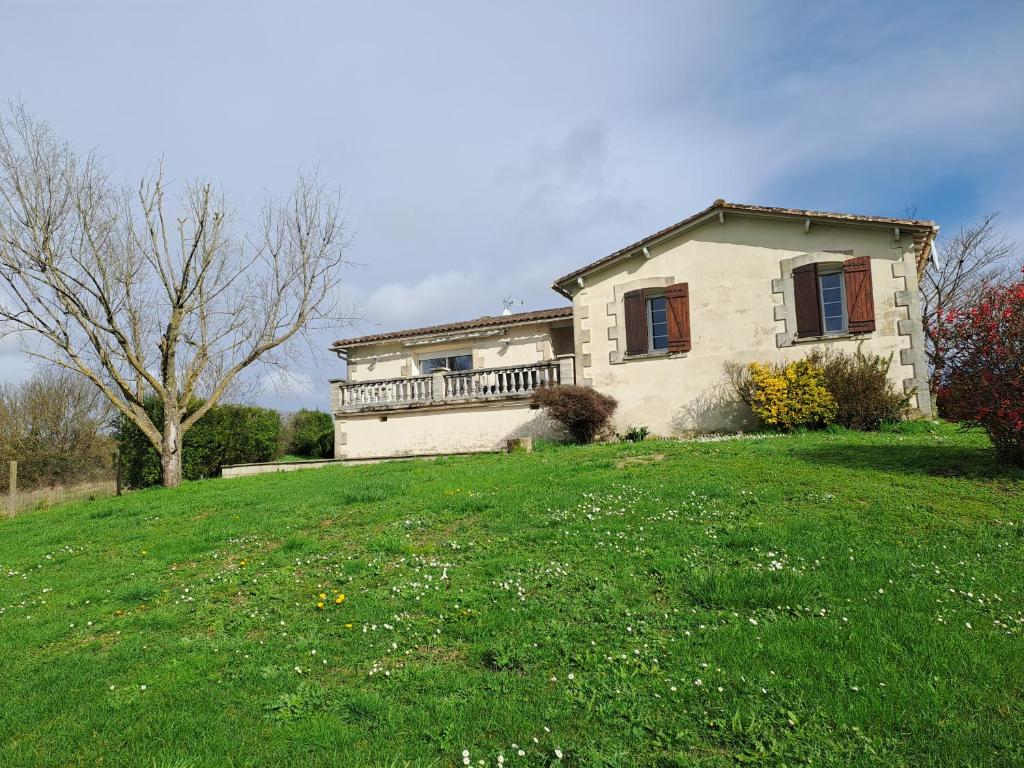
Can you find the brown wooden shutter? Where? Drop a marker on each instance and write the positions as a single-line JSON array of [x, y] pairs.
[[808, 303], [678, 300], [860, 302], [636, 322]]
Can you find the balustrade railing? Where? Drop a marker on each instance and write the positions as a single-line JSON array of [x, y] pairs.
[[441, 386], [365, 394], [491, 382]]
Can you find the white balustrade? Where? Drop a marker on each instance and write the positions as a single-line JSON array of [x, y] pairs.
[[480, 384], [497, 382], [394, 392]]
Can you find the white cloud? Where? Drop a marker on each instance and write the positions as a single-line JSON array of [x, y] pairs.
[[282, 382], [433, 298], [14, 366], [498, 146]]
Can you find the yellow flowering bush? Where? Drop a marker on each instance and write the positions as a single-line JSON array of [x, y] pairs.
[[790, 396]]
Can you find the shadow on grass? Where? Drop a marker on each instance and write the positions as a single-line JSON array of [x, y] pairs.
[[933, 460]]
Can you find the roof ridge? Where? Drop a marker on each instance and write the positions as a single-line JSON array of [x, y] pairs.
[[485, 321], [723, 205]]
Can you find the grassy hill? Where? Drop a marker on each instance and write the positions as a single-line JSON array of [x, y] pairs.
[[830, 599]]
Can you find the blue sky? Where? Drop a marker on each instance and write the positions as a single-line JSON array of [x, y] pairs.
[[484, 149]]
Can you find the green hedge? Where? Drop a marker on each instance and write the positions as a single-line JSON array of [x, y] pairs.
[[227, 434], [312, 434]]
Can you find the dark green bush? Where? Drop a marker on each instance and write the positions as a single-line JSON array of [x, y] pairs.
[[635, 434], [860, 384], [226, 434], [311, 434]]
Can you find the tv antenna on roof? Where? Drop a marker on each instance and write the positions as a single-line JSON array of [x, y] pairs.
[[508, 302]]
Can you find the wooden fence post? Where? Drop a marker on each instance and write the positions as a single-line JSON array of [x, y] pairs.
[[117, 471], [12, 490]]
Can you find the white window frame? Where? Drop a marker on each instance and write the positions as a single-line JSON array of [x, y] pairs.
[[842, 300], [650, 322]]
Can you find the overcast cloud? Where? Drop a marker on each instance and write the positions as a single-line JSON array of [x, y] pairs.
[[484, 150]]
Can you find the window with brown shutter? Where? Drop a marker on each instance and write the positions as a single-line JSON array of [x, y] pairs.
[[635, 307], [860, 302], [808, 301], [678, 297]]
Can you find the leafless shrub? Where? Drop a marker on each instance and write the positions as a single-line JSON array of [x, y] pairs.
[[865, 395], [583, 411]]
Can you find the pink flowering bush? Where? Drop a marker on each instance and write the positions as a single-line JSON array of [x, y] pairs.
[[983, 381]]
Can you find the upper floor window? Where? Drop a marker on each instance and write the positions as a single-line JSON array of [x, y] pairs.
[[834, 298], [451, 362], [657, 323], [657, 320]]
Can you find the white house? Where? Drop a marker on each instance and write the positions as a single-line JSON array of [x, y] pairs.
[[653, 325]]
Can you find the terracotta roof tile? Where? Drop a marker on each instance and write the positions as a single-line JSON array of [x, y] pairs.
[[489, 321]]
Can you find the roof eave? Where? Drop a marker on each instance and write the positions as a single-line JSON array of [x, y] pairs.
[[344, 345], [558, 289]]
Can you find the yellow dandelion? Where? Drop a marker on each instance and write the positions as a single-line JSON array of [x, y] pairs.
[[323, 596], [320, 606], [348, 626]]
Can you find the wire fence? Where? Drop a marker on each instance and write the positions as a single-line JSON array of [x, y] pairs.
[[21, 491]]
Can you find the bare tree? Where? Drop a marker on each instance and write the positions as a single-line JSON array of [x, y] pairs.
[[149, 297], [56, 425], [56, 408], [977, 255]]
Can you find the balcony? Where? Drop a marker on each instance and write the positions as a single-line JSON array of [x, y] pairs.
[[443, 387]]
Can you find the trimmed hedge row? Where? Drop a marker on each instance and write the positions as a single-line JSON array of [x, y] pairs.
[[226, 434]]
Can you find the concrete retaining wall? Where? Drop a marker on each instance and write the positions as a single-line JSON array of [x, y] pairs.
[[244, 470]]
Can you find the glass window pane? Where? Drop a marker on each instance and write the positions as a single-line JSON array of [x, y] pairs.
[[830, 295], [832, 310], [452, 363], [831, 280], [833, 324], [657, 319]]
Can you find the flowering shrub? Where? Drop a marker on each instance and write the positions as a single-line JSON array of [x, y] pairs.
[[583, 411], [982, 381], [790, 396]]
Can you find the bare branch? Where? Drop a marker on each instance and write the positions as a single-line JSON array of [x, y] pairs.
[[88, 271]]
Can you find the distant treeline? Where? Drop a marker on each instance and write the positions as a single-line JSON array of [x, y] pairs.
[[61, 431], [56, 426]]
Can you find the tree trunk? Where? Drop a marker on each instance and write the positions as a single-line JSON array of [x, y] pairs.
[[170, 452]]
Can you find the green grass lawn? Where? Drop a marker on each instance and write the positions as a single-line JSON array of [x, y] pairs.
[[826, 599]]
